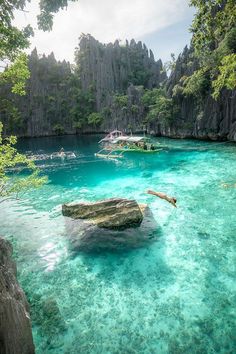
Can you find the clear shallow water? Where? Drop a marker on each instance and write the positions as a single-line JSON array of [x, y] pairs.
[[175, 296]]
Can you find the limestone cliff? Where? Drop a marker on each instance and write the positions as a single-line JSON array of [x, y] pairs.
[[60, 98], [113, 67], [200, 117], [15, 326], [44, 110], [111, 80]]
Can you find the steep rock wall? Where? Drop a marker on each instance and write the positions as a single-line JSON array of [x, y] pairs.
[[200, 117], [45, 109], [113, 67], [59, 100], [15, 326]]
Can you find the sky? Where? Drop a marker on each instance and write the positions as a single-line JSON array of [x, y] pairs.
[[161, 24]]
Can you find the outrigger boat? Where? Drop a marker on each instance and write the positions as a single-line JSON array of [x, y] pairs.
[[116, 147]]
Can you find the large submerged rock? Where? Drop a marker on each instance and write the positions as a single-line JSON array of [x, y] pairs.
[[113, 214], [15, 326], [111, 224]]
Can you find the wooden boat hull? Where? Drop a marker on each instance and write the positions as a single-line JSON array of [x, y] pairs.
[[108, 156], [139, 151], [121, 152]]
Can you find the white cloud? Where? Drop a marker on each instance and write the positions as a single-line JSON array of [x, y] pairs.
[[106, 20]]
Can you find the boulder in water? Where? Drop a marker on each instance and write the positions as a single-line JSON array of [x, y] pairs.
[[112, 224], [113, 214]]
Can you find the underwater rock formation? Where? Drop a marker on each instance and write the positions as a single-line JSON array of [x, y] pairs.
[[113, 224], [15, 326], [47, 316], [113, 214]]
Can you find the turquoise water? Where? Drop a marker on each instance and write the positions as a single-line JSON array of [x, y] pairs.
[[176, 295]]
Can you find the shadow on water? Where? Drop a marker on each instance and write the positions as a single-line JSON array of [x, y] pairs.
[[130, 258]]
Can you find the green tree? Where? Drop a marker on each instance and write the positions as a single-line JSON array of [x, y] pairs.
[[214, 42], [47, 9], [58, 129], [227, 76], [170, 64], [149, 97], [197, 84], [95, 119], [162, 110], [213, 20], [16, 75], [158, 106], [12, 42], [121, 100], [11, 163]]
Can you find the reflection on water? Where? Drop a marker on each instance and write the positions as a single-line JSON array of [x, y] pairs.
[[176, 295]]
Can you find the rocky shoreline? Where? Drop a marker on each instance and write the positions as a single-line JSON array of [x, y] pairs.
[[15, 325]]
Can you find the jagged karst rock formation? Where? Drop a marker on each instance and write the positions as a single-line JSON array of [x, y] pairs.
[[128, 117], [113, 224], [113, 67], [59, 99], [200, 117], [15, 326], [111, 80], [45, 109]]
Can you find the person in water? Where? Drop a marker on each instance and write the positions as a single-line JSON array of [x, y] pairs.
[[62, 153], [161, 195]]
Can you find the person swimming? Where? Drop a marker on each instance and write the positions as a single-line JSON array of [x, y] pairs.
[[62, 153], [171, 200]]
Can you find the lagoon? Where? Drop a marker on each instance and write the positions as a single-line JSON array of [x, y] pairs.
[[176, 295]]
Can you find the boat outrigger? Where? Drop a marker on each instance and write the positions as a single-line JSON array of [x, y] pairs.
[[117, 146]]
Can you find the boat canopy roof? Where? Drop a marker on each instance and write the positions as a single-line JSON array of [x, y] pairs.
[[130, 139], [112, 135]]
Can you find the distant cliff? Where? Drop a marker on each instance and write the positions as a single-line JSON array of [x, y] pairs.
[[200, 115], [15, 326], [114, 67], [59, 100], [118, 86], [44, 109]]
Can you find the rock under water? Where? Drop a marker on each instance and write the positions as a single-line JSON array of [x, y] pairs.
[[112, 224], [113, 214], [15, 327]]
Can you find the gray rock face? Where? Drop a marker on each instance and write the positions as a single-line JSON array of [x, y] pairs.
[[15, 326], [51, 104], [112, 68], [128, 118], [113, 214], [200, 117], [44, 110], [109, 225]]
